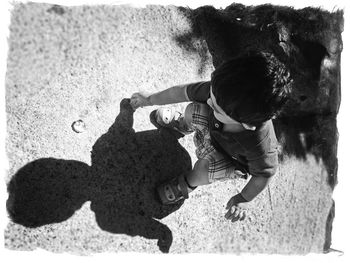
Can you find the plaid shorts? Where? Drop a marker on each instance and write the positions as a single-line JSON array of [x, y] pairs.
[[221, 167]]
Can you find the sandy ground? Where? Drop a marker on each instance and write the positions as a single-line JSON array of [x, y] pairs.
[[79, 63]]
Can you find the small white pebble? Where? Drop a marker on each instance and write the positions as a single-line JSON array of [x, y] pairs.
[[78, 126]]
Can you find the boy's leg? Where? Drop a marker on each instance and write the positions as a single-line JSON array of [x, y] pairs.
[[199, 175], [178, 188], [211, 165], [217, 168]]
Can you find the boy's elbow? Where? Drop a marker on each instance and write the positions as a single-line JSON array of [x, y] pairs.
[[262, 182]]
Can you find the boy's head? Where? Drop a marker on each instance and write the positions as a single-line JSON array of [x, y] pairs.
[[251, 89]]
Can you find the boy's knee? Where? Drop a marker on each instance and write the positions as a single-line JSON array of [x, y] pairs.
[[200, 108], [201, 167], [188, 114], [199, 174]]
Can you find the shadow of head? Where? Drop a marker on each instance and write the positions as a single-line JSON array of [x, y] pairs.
[[126, 168], [121, 182], [47, 191]]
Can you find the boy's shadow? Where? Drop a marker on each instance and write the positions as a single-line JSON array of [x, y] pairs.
[[125, 169], [127, 166]]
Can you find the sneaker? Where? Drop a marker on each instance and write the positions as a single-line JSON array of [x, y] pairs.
[[169, 118], [173, 190]]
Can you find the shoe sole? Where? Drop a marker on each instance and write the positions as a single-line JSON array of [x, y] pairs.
[[153, 120], [162, 198]]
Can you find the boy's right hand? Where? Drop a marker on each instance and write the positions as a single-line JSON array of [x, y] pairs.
[[140, 99], [237, 208]]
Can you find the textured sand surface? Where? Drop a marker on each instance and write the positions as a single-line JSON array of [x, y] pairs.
[[66, 64]]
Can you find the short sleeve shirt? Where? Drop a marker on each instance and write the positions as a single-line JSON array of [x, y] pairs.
[[256, 150]]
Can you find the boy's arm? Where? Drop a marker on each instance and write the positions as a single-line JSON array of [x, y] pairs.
[[254, 187], [237, 204], [262, 168], [174, 94], [197, 91], [171, 95]]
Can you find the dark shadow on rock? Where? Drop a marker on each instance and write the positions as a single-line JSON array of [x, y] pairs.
[[126, 168], [328, 234], [192, 44], [313, 134], [302, 39]]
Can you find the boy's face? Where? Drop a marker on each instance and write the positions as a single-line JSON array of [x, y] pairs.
[[220, 114]]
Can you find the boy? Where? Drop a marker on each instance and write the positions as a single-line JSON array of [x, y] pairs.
[[231, 117]]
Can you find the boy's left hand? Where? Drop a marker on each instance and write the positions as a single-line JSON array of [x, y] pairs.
[[140, 99], [237, 210]]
